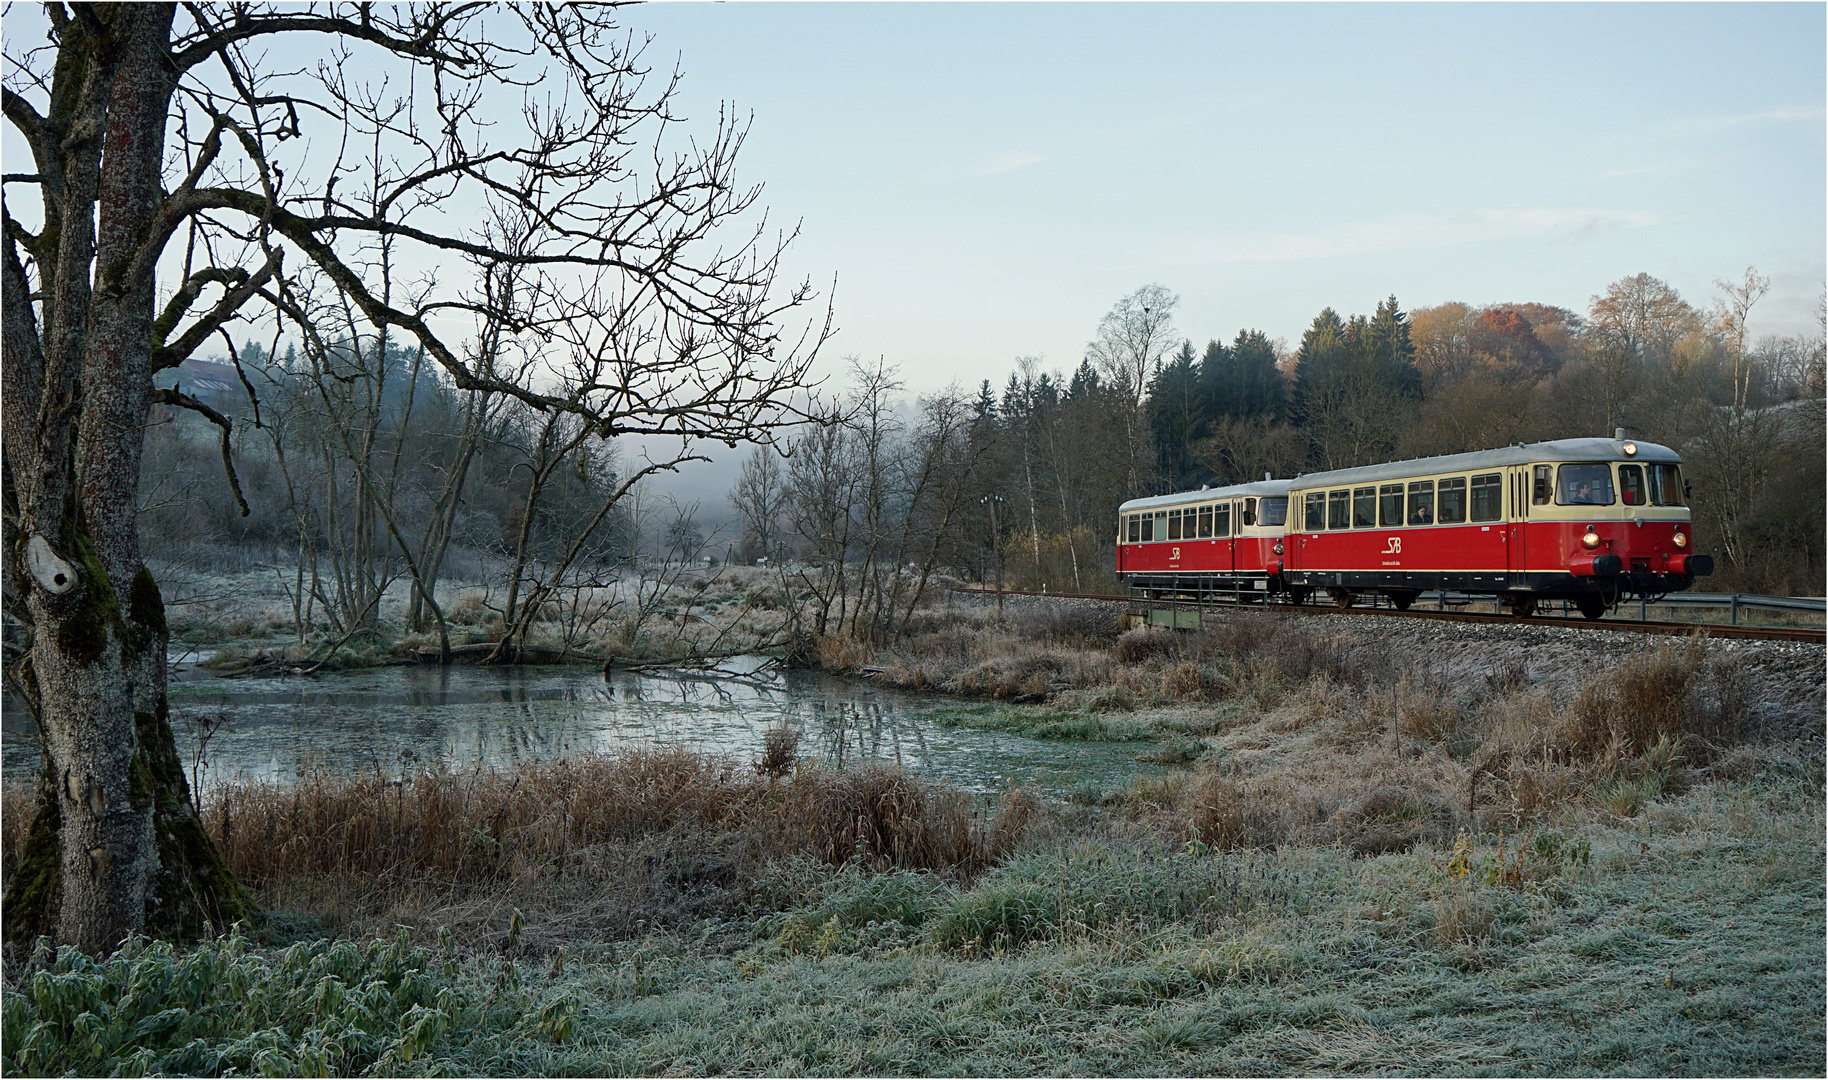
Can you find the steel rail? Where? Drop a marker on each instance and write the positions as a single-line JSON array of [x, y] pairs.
[[1566, 622]]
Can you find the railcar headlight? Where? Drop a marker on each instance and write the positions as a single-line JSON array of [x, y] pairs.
[[1278, 547], [1681, 539], [1591, 540], [1631, 448]]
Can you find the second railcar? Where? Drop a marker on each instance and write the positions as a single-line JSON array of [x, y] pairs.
[[1217, 541]]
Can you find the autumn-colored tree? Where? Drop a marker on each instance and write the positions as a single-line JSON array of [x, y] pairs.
[[1505, 334], [1443, 337]]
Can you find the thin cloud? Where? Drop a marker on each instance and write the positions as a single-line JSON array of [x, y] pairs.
[[1712, 125], [1010, 162], [1613, 174], [1411, 232]]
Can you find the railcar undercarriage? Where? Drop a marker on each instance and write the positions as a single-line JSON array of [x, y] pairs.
[[1520, 594]]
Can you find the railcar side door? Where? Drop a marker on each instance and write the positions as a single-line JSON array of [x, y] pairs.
[[1518, 512], [1230, 555]]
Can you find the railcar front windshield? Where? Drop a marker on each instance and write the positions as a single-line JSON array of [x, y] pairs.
[[1273, 511], [1666, 485], [1586, 484]]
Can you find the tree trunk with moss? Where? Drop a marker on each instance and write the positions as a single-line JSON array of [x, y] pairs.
[[116, 847]]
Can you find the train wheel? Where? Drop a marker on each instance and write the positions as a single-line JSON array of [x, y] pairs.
[[1519, 605], [1342, 598], [1298, 594], [1402, 599], [1591, 605]]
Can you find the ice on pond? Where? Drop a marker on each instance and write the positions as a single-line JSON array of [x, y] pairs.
[[403, 718]]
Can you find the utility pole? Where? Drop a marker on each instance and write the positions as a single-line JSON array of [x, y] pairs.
[[996, 549]]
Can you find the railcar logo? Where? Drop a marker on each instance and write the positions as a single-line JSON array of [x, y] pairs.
[[1394, 547], [1176, 554]]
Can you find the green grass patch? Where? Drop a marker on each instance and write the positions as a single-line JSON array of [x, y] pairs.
[[1053, 724]]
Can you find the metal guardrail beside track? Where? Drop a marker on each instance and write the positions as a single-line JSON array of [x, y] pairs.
[[1733, 602]]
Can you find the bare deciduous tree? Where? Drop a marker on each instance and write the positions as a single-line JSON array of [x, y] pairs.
[[1133, 337], [758, 498], [169, 146], [1732, 313]]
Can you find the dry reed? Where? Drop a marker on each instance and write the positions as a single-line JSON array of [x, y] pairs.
[[489, 824]]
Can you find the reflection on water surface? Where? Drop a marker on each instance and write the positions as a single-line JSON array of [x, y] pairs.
[[409, 717]]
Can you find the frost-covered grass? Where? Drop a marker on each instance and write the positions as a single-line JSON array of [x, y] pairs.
[[1685, 941]]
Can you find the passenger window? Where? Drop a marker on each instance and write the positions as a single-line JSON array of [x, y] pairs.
[[1452, 498], [1584, 485], [1339, 509], [1487, 497], [1539, 489], [1390, 505], [1364, 508], [1315, 518], [1631, 485], [1135, 529], [1222, 527], [1205, 522], [1666, 485], [1148, 528], [1174, 524], [1421, 502]]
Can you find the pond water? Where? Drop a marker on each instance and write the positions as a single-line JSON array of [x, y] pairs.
[[402, 718]]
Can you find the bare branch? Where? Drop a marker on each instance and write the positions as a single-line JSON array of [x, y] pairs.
[[246, 287], [179, 399]]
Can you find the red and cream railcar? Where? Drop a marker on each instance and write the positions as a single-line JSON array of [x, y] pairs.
[[1217, 540], [1592, 521]]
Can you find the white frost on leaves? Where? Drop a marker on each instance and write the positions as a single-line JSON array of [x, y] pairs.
[[52, 573]]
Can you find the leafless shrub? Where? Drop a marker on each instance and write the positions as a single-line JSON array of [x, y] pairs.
[[843, 654], [1720, 700], [780, 751], [1078, 626], [882, 817], [1144, 643], [763, 597], [1219, 812], [1190, 681]]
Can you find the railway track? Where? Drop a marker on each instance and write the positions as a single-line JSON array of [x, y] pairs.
[[1629, 626]]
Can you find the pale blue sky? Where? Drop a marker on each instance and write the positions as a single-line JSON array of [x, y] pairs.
[[987, 179]]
